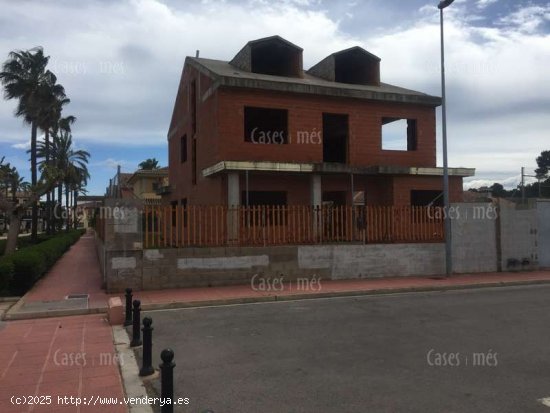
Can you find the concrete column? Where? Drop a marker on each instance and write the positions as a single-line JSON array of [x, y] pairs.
[[233, 190], [316, 191], [233, 202], [316, 202]]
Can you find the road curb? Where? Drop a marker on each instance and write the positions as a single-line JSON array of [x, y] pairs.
[[129, 371], [9, 299], [354, 293], [13, 313]]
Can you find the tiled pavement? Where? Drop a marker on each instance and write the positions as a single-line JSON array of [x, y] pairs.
[[57, 357], [254, 292], [77, 272]]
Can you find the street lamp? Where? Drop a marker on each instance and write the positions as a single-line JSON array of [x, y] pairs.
[[448, 252]]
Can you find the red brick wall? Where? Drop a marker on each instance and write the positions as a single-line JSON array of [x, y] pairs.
[[297, 187], [220, 136], [403, 185], [305, 114], [379, 190], [207, 190]]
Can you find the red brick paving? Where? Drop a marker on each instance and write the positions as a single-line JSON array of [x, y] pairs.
[[77, 272], [68, 356], [340, 286]]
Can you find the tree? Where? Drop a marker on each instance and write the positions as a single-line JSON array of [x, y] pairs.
[[498, 191], [149, 164], [50, 116], [12, 182], [24, 77], [543, 162], [64, 124], [72, 162]]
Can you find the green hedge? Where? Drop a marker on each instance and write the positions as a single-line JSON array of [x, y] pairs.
[[6, 274], [25, 241], [20, 270]]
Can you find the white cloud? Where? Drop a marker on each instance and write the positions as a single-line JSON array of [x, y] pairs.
[[111, 163], [481, 4], [23, 145], [509, 182], [527, 19]]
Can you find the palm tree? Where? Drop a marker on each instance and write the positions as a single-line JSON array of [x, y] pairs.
[[77, 178], [72, 162], [149, 164], [12, 182], [63, 124], [24, 77], [50, 117]]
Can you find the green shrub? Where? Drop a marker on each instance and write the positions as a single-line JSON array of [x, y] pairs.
[[25, 241], [28, 266], [30, 263], [6, 273]]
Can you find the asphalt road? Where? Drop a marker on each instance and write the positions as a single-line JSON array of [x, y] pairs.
[[462, 351]]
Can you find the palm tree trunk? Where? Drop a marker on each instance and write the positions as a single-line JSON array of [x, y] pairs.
[[13, 233], [71, 200], [34, 222], [75, 205], [60, 210], [48, 214], [52, 212], [68, 223]]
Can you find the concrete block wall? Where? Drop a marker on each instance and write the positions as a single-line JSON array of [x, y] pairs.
[[195, 267], [373, 261], [201, 267], [543, 228], [474, 238], [518, 236]]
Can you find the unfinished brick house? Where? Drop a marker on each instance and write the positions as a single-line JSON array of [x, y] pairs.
[[259, 130]]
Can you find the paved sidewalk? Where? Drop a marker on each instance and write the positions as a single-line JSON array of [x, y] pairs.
[[189, 297], [76, 274], [69, 356]]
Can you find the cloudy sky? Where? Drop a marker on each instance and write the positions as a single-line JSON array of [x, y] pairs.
[[120, 62]]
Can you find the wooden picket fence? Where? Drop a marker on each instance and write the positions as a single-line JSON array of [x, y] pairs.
[[201, 226]]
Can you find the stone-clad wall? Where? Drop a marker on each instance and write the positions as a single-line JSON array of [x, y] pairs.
[[194, 267]]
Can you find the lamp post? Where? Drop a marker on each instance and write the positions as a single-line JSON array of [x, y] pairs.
[[447, 219]]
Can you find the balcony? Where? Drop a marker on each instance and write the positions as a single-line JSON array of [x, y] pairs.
[[163, 190]]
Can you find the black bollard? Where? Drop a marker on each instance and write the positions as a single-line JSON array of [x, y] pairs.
[[147, 358], [136, 339], [167, 380], [128, 320]]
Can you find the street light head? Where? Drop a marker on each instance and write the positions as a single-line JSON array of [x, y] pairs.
[[444, 3]]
